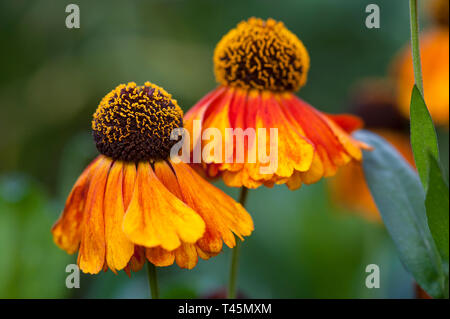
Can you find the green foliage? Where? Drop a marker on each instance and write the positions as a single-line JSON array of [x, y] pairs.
[[423, 136], [400, 198], [437, 205], [425, 147], [31, 265]]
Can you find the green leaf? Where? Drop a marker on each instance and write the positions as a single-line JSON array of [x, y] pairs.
[[437, 206], [423, 135], [400, 198]]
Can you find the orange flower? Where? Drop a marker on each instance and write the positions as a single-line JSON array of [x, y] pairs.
[[435, 69], [259, 65], [132, 202]]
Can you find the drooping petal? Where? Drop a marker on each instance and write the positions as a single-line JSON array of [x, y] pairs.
[[203, 254], [317, 170], [159, 256], [156, 217], [119, 248], [137, 261], [68, 228], [92, 252], [257, 111], [311, 144], [222, 215], [352, 147], [217, 119], [295, 150], [349, 123], [186, 256]]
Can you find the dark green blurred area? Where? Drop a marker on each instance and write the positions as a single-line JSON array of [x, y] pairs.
[[52, 79]]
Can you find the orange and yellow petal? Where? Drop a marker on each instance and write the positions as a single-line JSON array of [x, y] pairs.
[[311, 144], [119, 248], [137, 261], [68, 228], [159, 256], [129, 180], [295, 151], [92, 219], [222, 215], [186, 256], [91, 256], [156, 217], [128, 215]]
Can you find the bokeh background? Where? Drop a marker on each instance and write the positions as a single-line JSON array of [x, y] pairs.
[[52, 79]]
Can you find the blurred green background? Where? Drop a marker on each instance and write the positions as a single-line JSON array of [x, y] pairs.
[[52, 79]]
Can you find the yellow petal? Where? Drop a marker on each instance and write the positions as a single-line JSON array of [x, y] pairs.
[[68, 228], [222, 215], [119, 248], [159, 256], [186, 256], [91, 257], [156, 217]]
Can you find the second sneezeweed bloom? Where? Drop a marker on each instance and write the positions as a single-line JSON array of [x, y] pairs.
[[133, 203], [259, 65]]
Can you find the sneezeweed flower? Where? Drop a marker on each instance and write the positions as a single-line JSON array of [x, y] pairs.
[[259, 65], [434, 50], [133, 203], [373, 100]]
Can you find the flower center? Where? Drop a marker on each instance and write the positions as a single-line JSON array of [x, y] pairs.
[[134, 123], [261, 55]]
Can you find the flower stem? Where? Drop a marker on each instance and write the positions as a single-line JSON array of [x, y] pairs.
[[152, 280], [232, 285], [415, 46]]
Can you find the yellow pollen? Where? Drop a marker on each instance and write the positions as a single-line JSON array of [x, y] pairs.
[[262, 55], [134, 123]]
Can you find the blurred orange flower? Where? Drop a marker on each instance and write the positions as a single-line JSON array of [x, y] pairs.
[[434, 50], [259, 65]]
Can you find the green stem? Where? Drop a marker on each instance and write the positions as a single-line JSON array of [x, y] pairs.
[[415, 45], [152, 280], [232, 285]]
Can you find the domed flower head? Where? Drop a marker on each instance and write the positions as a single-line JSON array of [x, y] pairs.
[[260, 65], [133, 203], [434, 51]]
